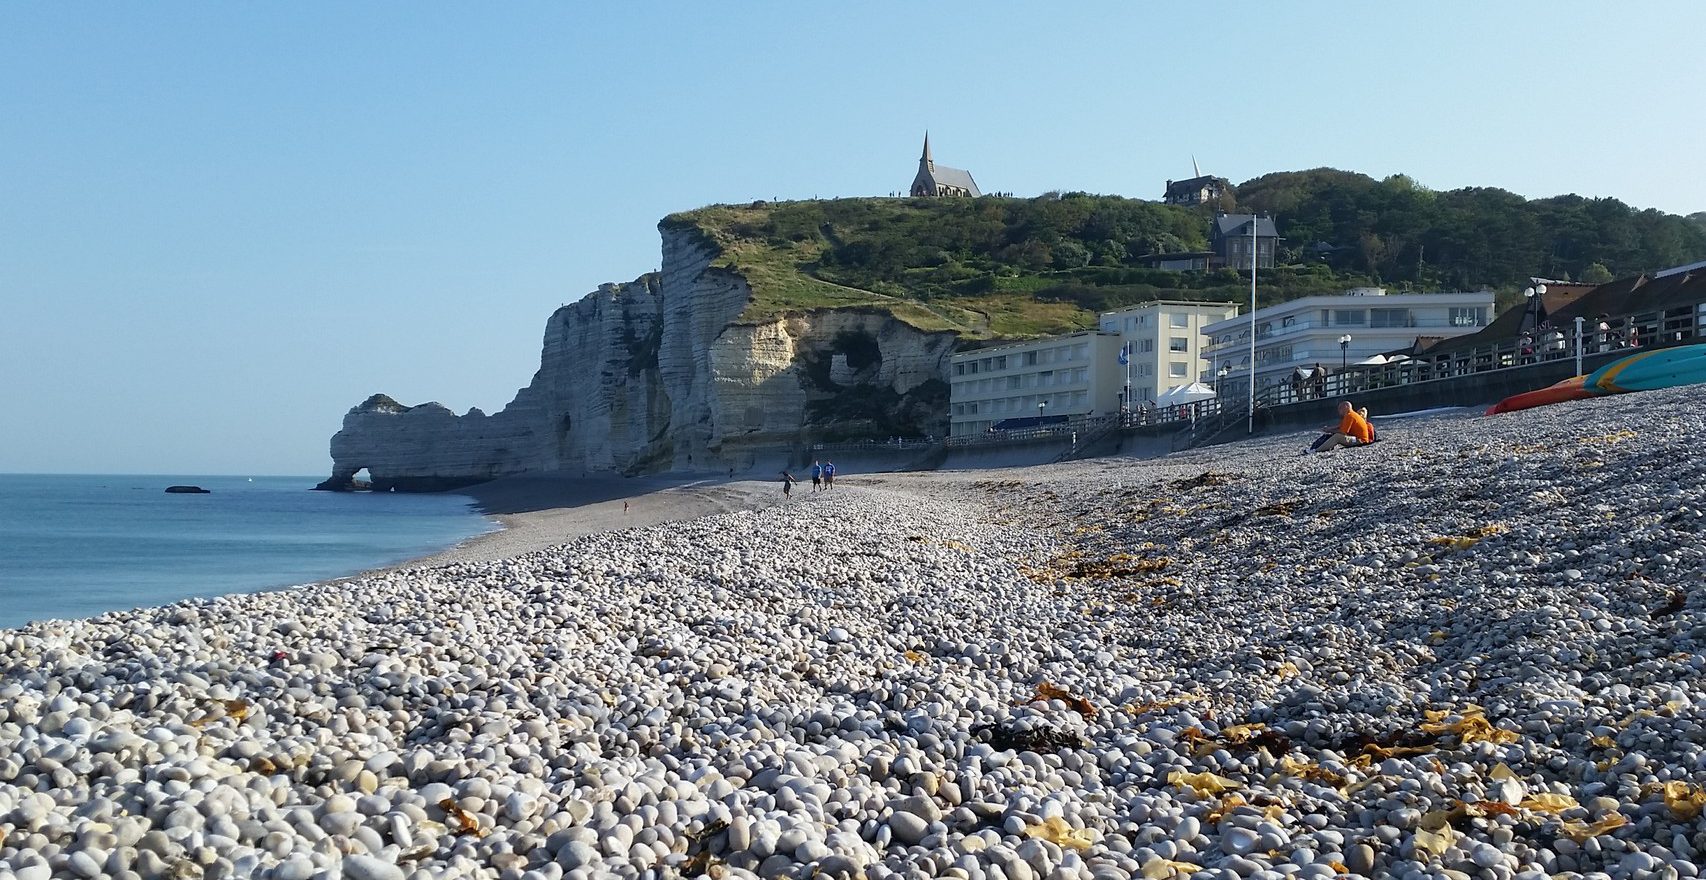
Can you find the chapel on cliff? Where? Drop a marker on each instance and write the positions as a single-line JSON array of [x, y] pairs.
[[938, 181]]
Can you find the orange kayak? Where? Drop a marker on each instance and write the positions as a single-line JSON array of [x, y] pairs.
[[1573, 388]]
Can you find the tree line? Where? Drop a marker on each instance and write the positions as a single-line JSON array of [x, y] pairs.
[[1339, 229]]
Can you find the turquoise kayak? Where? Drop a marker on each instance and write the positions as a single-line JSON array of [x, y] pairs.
[[1650, 370]]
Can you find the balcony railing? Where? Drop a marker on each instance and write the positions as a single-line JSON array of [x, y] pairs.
[[1243, 339]]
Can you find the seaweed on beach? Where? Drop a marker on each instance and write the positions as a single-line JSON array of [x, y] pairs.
[[1049, 691], [1072, 566], [1039, 739], [1678, 600], [1278, 508], [1204, 480]]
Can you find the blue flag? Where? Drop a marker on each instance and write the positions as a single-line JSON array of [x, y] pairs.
[[1125, 354]]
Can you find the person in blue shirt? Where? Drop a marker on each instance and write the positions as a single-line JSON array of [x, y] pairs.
[[817, 476], [829, 475]]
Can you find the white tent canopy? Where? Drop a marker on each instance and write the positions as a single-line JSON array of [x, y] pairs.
[[1192, 393]]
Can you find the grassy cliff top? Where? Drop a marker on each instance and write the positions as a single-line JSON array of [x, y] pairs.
[[998, 267], [962, 265]]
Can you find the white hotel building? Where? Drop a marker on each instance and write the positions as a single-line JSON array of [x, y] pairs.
[[1073, 375], [1080, 374], [1167, 343], [1306, 332]]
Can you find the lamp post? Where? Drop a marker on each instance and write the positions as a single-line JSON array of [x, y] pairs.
[[1344, 352], [1251, 428], [1040, 405], [1531, 316]]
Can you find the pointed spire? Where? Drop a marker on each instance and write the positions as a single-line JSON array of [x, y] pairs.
[[926, 157], [1194, 166]]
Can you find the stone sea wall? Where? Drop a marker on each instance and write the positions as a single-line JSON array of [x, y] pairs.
[[659, 375]]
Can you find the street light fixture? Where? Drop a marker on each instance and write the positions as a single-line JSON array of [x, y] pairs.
[[1040, 405], [1534, 295], [1225, 370], [1344, 351]]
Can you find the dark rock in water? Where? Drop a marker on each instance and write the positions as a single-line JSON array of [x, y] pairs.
[[187, 490]]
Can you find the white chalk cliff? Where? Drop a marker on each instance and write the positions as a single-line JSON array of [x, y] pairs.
[[661, 374]]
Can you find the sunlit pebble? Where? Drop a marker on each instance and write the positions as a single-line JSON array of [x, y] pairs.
[[813, 689]]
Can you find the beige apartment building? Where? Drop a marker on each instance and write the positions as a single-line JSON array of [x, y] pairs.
[[1166, 343], [1074, 375]]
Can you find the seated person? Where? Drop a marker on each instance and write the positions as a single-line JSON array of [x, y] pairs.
[[1373, 435], [1352, 430]]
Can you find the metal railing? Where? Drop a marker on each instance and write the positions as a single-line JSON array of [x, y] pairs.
[[1224, 415], [1242, 338], [893, 444], [1675, 326]]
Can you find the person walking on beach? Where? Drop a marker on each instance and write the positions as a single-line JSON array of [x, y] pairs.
[[788, 482], [829, 475], [817, 476]]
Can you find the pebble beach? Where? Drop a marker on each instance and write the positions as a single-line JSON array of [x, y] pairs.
[[1472, 650]]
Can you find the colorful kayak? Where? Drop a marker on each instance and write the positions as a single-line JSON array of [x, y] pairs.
[[1651, 370], [1573, 388]]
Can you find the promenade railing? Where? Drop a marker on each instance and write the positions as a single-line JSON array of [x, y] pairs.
[[1676, 326]]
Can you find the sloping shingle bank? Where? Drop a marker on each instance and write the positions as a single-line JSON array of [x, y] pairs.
[[1471, 650]]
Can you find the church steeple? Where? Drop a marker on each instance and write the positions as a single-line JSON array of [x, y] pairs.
[[935, 181]]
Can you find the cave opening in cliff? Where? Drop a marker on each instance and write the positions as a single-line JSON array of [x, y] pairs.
[[361, 479], [861, 349]]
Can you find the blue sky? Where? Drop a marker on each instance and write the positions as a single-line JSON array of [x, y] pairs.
[[222, 225]]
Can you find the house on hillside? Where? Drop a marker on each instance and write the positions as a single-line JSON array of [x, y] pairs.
[[1183, 261], [938, 181], [1204, 189], [1229, 238]]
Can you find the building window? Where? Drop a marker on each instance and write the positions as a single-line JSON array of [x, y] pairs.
[[1464, 316], [1147, 347], [1178, 344], [959, 369], [1389, 318], [1001, 363], [1176, 370], [1012, 383], [1349, 316], [1180, 320], [1030, 358]]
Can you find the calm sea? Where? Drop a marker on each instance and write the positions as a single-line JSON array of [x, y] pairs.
[[76, 546]]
